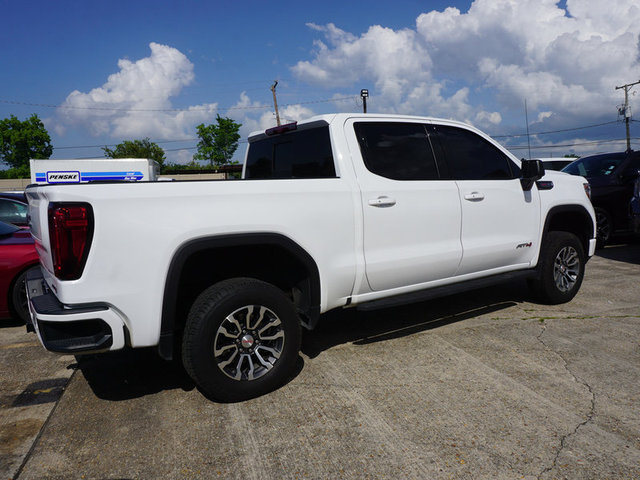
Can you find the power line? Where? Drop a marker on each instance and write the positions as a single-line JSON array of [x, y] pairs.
[[577, 144], [191, 109], [76, 147], [116, 144], [556, 131]]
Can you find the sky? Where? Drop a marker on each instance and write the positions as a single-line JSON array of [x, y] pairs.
[[98, 73]]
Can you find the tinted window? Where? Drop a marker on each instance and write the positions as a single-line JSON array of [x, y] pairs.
[[299, 154], [400, 151], [634, 164], [595, 166], [13, 212], [471, 157]]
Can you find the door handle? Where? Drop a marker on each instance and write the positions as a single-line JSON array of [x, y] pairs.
[[474, 196], [382, 201]]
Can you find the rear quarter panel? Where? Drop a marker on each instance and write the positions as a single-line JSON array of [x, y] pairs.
[[139, 227]]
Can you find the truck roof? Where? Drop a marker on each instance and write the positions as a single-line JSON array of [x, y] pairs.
[[341, 117]]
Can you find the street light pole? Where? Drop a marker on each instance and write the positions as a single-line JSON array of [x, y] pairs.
[[364, 93]]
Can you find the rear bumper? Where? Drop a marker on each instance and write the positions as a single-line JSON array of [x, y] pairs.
[[71, 329]]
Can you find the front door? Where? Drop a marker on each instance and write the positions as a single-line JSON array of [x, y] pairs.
[[500, 221]]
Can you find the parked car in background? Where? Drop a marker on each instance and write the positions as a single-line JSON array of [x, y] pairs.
[[13, 208], [555, 163], [634, 207], [612, 177], [17, 256]]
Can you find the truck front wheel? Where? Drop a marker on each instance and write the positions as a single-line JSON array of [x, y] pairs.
[[560, 268], [241, 339]]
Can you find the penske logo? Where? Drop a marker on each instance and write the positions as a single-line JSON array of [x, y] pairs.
[[63, 177]]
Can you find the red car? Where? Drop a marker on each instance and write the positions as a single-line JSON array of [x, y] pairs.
[[17, 256]]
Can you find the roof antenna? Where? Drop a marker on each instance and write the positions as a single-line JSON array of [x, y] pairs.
[[526, 117]]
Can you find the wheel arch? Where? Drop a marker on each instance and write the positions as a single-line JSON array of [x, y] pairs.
[[573, 219], [270, 257]]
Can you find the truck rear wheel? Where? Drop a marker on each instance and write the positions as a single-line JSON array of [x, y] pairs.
[[241, 339], [560, 268]]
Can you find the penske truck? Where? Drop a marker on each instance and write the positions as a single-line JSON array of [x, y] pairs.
[[93, 170]]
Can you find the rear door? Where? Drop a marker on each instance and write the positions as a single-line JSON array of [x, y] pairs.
[[411, 216], [500, 221]]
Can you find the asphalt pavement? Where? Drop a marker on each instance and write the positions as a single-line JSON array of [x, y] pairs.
[[481, 385]]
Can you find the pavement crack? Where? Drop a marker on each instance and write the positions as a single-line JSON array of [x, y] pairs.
[[29, 454], [590, 413]]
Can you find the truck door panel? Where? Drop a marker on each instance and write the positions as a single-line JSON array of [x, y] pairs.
[[500, 221], [411, 217]]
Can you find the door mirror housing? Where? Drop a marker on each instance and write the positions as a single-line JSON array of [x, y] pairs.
[[531, 170]]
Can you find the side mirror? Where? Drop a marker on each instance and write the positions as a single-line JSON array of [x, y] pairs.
[[531, 170]]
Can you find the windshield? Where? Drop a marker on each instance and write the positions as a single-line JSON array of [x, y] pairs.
[[596, 166]]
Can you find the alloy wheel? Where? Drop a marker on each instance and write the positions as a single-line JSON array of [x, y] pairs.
[[566, 268], [249, 342]]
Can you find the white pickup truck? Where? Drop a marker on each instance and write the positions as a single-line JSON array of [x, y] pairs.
[[331, 212]]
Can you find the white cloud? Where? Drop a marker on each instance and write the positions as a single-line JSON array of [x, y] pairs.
[[135, 102], [481, 65], [393, 60], [544, 115], [484, 118], [182, 157]]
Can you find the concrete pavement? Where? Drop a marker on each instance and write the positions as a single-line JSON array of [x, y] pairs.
[[478, 385]]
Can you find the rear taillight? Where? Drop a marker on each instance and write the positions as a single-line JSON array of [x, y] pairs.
[[70, 234]]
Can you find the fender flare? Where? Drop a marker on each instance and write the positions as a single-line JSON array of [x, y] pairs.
[[190, 247], [576, 209]]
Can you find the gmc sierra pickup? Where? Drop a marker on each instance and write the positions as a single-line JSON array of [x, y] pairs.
[[331, 212]]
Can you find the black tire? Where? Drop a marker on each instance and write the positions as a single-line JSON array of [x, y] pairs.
[[241, 339], [604, 227], [560, 268], [19, 305]]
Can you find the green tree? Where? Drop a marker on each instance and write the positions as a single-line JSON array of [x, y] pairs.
[[137, 149], [20, 141], [218, 142]]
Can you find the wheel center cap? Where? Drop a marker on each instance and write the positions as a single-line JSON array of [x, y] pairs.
[[247, 341]]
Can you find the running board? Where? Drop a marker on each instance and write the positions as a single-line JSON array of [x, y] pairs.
[[443, 291]]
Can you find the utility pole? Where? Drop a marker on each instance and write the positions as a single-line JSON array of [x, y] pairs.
[[275, 102], [626, 111]]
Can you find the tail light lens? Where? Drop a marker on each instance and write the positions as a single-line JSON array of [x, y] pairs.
[[70, 234]]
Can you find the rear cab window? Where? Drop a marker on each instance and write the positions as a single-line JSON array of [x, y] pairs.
[[300, 153]]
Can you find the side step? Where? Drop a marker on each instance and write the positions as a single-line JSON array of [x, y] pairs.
[[445, 290]]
